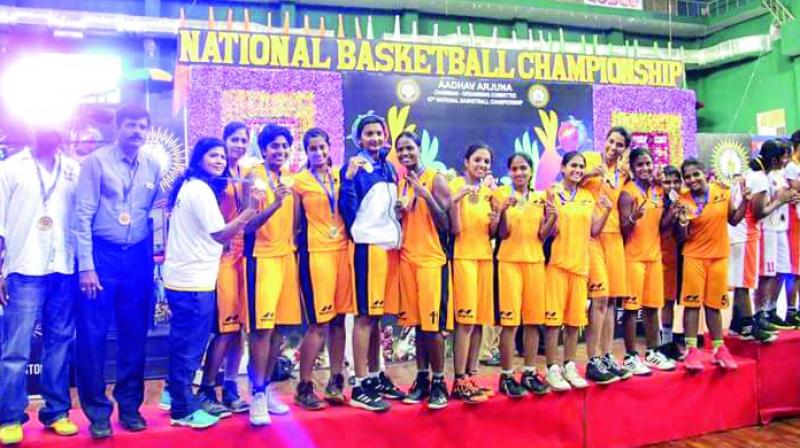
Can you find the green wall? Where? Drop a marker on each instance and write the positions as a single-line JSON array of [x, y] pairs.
[[734, 93]]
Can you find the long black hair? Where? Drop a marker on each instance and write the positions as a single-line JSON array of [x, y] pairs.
[[769, 156], [195, 170]]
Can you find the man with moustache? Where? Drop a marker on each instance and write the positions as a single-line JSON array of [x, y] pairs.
[[116, 191]]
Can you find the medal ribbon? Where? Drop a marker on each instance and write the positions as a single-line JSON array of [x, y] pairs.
[[47, 192], [700, 207], [331, 194]]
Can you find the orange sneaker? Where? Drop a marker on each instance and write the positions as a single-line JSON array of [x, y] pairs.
[[466, 390]]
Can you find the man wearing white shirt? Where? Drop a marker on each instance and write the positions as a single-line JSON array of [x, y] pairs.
[[37, 191]]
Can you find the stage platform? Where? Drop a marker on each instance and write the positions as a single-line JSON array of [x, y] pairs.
[[662, 407], [778, 379]]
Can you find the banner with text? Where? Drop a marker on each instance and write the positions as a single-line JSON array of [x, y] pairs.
[[621, 4], [233, 48]]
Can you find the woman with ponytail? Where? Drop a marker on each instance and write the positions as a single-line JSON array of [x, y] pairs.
[[773, 210], [325, 272]]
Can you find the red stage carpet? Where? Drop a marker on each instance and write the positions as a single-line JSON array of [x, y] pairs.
[[665, 406], [778, 374]]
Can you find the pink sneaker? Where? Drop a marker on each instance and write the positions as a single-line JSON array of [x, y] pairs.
[[693, 360], [724, 358]]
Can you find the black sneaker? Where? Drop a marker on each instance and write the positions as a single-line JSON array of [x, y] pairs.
[[616, 369], [534, 383], [367, 397], [672, 351], [438, 396], [759, 334], [778, 322], [386, 388], [306, 398], [492, 361], [510, 387], [231, 398], [334, 390], [207, 396], [597, 371], [793, 319], [420, 390], [765, 324]]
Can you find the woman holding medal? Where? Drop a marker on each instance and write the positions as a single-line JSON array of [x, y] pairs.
[[273, 296], [424, 271], [702, 226], [231, 310], [367, 202], [642, 216], [607, 282], [472, 224], [526, 220], [580, 218], [771, 207], [197, 233], [325, 273]]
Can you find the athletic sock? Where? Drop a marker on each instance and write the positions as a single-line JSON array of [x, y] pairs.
[[716, 344], [359, 381], [666, 334], [438, 375], [374, 375], [509, 372], [530, 369], [259, 389], [771, 307], [691, 342], [425, 372]]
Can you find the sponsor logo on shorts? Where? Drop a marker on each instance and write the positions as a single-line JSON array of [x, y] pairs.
[[327, 309], [231, 320], [506, 315], [551, 315], [465, 313], [595, 287], [724, 300], [268, 317], [377, 303], [691, 299]]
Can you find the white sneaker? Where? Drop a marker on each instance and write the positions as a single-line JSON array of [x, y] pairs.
[[656, 360], [555, 379], [259, 412], [634, 364], [274, 403], [573, 377]]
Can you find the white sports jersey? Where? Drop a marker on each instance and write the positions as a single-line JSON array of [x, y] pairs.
[[778, 220], [757, 182]]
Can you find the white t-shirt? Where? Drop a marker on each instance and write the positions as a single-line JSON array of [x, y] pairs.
[[30, 248], [778, 220], [757, 182], [192, 257]]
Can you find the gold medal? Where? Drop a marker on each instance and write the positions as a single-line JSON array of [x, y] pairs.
[[333, 232], [474, 198], [124, 218], [45, 223], [286, 181], [403, 201]]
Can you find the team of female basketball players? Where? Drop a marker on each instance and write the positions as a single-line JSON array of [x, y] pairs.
[[450, 256]]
